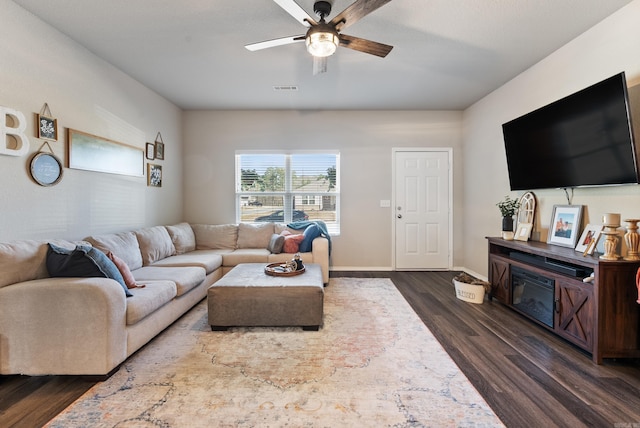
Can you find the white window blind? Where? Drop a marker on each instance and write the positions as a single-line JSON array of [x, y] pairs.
[[288, 186]]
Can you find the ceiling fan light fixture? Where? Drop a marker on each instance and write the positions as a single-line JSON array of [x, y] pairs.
[[322, 42]]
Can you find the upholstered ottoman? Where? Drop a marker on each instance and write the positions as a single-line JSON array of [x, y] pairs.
[[246, 296]]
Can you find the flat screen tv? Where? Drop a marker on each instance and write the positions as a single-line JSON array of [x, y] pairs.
[[584, 139]]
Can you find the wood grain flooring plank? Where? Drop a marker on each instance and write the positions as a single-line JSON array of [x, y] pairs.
[[529, 376]]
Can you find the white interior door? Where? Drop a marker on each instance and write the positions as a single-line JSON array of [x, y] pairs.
[[422, 210]]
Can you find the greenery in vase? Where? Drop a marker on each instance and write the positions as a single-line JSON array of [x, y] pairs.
[[508, 206]]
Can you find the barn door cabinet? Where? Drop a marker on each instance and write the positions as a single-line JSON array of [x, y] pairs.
[[601, 316]]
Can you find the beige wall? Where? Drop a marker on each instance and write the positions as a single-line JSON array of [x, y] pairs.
[[37, 65], [365, 140], [608, 48]]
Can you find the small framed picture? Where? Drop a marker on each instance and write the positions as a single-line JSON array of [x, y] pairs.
[[150, 151], [159, 150], [154, 175], [589, 238], [523, 232], [565, 225], [47, 128]]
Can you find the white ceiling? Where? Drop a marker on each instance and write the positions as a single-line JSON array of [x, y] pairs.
[[447, 53]]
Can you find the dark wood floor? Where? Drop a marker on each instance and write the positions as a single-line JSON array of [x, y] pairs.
[[529, 377]]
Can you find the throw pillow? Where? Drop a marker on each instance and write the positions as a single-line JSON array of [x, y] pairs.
[[82, 262], [292, 243], [276, 243], [129, 280], [310, 233]]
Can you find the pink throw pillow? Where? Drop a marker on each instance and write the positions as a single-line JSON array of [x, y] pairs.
[[292, 243], [124, 270]]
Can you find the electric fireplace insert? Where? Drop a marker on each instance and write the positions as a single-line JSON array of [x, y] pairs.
[[532, 294]]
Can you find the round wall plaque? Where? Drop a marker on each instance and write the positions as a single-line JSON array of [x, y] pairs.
[[46, 169]]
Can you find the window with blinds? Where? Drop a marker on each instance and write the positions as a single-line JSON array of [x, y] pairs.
[[284, 187]]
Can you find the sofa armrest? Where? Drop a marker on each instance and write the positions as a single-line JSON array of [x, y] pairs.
[[320, 251], [62, 326]]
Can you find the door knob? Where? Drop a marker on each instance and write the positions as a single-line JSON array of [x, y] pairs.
[[399, 215]]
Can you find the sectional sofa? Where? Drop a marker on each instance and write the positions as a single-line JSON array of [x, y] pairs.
[[88, 325]]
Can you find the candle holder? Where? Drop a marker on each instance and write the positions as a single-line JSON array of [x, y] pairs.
[[632, 239], [610, 242]]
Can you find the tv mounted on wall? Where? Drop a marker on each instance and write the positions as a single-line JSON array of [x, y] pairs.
[[584, 139]]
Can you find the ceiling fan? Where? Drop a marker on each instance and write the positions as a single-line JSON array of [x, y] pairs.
[[323, 38]]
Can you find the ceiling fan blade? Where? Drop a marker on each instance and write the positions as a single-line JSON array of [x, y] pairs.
[[366, 46], [275, 42], [319, 65], [294, 9], [355, 12]]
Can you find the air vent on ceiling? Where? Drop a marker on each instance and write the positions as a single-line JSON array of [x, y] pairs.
[[285, 88]]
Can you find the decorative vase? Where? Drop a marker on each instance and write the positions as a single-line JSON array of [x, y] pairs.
[[610, 243], [507, 224], [507, 228], [632, 239]]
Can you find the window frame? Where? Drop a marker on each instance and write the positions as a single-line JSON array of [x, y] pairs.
[[288, 194]]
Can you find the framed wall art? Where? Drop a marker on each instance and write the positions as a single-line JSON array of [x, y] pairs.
[[150, 151], [46, 125], [589, 238], [154, 175], [46, 169], [159, 147], [47, 128], [93, 153], [564, 228]]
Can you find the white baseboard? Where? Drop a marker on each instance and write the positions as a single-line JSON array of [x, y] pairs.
[[360, 268], [390, 269], [472, 273]]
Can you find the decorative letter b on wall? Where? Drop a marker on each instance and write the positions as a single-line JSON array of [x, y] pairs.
[[13, 141]]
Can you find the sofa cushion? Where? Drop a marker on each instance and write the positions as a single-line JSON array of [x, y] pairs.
[[310, 233], [124, 245], [147, 300], [185, 277], [212, 237], [210, 260], [182, 237], [254, 235], [246, 255], [22, 261], [155, 244], [275, 244], [84, 262]]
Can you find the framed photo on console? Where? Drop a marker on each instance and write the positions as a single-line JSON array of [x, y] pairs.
[[523, 232], [589, 238], [565, 225]]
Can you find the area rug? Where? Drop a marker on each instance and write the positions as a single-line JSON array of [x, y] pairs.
[[372, 364]]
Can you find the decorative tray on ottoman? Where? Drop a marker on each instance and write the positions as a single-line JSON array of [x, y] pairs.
[[282, 269]]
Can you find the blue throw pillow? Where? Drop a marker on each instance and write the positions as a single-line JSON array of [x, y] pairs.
[[84, 262], [310, 233]]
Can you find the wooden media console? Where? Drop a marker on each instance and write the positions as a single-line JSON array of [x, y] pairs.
[[600, 315]]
